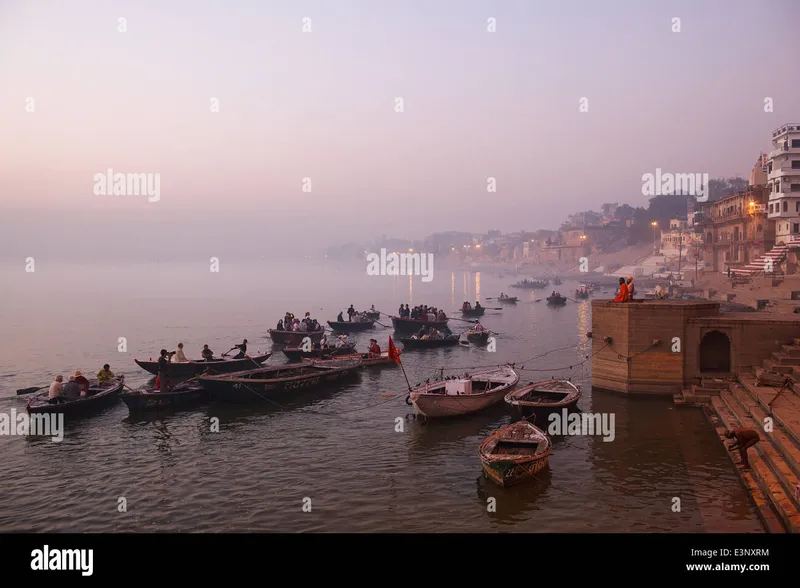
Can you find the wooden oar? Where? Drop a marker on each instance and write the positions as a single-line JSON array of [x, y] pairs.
[[31, 390]]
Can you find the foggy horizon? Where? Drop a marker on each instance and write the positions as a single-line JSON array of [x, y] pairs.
[[321, 105]]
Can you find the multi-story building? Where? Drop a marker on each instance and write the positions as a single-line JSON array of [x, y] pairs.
[[783, 178], [680, 239], [735, 229]]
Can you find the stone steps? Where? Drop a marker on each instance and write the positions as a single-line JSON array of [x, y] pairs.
[[768, 378], [781, 358], [763, 476], [751, 386], [775, 367]]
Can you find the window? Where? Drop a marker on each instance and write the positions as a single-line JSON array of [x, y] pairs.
[[777, 185], [795, 187], [769, 168], [770, 208], [796, 228], [785, 206], [796, 164], [795, 142]]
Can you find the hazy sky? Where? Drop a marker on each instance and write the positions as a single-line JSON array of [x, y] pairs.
[[321, 105]]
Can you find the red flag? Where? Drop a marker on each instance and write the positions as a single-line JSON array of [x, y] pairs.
[[394, 354]]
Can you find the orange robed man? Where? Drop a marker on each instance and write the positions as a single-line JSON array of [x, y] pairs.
[[623, 291]]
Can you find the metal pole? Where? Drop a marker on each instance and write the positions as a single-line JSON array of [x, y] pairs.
[[680, 250]]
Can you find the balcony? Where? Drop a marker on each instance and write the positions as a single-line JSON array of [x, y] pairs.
[[785, 128], [728, 216]]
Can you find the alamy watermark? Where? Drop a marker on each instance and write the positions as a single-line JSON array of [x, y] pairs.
[[34, 425], [668, 184], [111, 184], [582, 423], [400, 264]]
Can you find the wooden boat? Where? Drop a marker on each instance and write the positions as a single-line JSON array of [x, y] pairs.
[[180, 395], [295, 337], [373, 316], [507, 299], [582, 293], [531, 285], [297, 353], [404, 325], [189, 369], [544, 396], [459, 396], [366, 359], [557, 281], [478, 337], [99, 397], [473, 311], [556, 300], [412, 343], [351, 327], [515, 453], [261, 384]]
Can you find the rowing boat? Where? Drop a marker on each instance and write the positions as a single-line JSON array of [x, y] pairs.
[[407, 325], [263, 383], [367, 359], [478, 337], [507, 299], [189, 369], [413, 343], [556, 300], [464, 395], [180, 395], [544, 396], [515, 453], [295, 337], [582, 293], [473, 311], [297, 353], [527, 285], [99, 397], [351, 327]]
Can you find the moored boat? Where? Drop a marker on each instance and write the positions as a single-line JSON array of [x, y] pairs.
[[477, 337], [351, 326], [414, 343], [181, 395], [515, 453], [189, 369], [556, 300], [99, 397], [264, 383], [367, 359], [407, 325], [464, 395], [297, 353], [544, 396], [295, 337]]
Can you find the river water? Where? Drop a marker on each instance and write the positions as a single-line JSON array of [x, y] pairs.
[[341, 451]]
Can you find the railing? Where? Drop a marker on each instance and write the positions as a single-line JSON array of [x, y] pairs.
[[786, 127]]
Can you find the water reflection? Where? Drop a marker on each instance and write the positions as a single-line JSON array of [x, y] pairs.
[[515, 503], [477, 285], [453, 288]]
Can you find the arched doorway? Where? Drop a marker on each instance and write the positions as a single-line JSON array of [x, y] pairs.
[[715, 353]]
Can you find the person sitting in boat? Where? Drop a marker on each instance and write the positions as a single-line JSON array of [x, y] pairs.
[[295, 324], [208, 355], [372, 309], [374, 348], [622, 296], [477, 305], [71, 390], [478, 327], [105, 375], [56, 393], [441, 316], [82, 382], [303, 326], [446, 332], [180, 356], [323, 342], [242, 347], [342, 341], [279, 326]]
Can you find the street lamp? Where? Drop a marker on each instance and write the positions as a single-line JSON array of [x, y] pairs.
[[654, 224]]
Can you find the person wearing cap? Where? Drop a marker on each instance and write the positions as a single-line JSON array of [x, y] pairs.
[[56, 390], [242, 347], [72, 390], [105, 375], [82, 382], [180, 356]]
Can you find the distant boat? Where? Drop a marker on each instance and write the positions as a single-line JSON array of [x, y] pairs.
[[556, 300], [414, 343], [351, 326], [407, 325], [515, 453]]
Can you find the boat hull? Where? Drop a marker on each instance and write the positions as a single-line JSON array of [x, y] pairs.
[[351, 327], [562, 395], [297, 353], [189, 369], [510, 473], [473, 312], [551, 301], [412, 326], [429, 343], [144, 401], [366, 360], [294, 337], [478, 338], [512, 300], [438, 405], [82, 406]]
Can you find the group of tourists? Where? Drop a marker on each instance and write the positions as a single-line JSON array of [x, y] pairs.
[[556, 294], [467, 306], [354, 316], [426, 333], [422, 313], [291, 323], [77, 385]]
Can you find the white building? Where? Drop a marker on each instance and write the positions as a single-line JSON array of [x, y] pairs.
[[783, 178], [526, 248]]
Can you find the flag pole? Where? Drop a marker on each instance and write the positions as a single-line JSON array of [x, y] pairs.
[[394, 355]]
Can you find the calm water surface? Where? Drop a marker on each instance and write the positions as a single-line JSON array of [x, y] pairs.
[[339, 448]]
